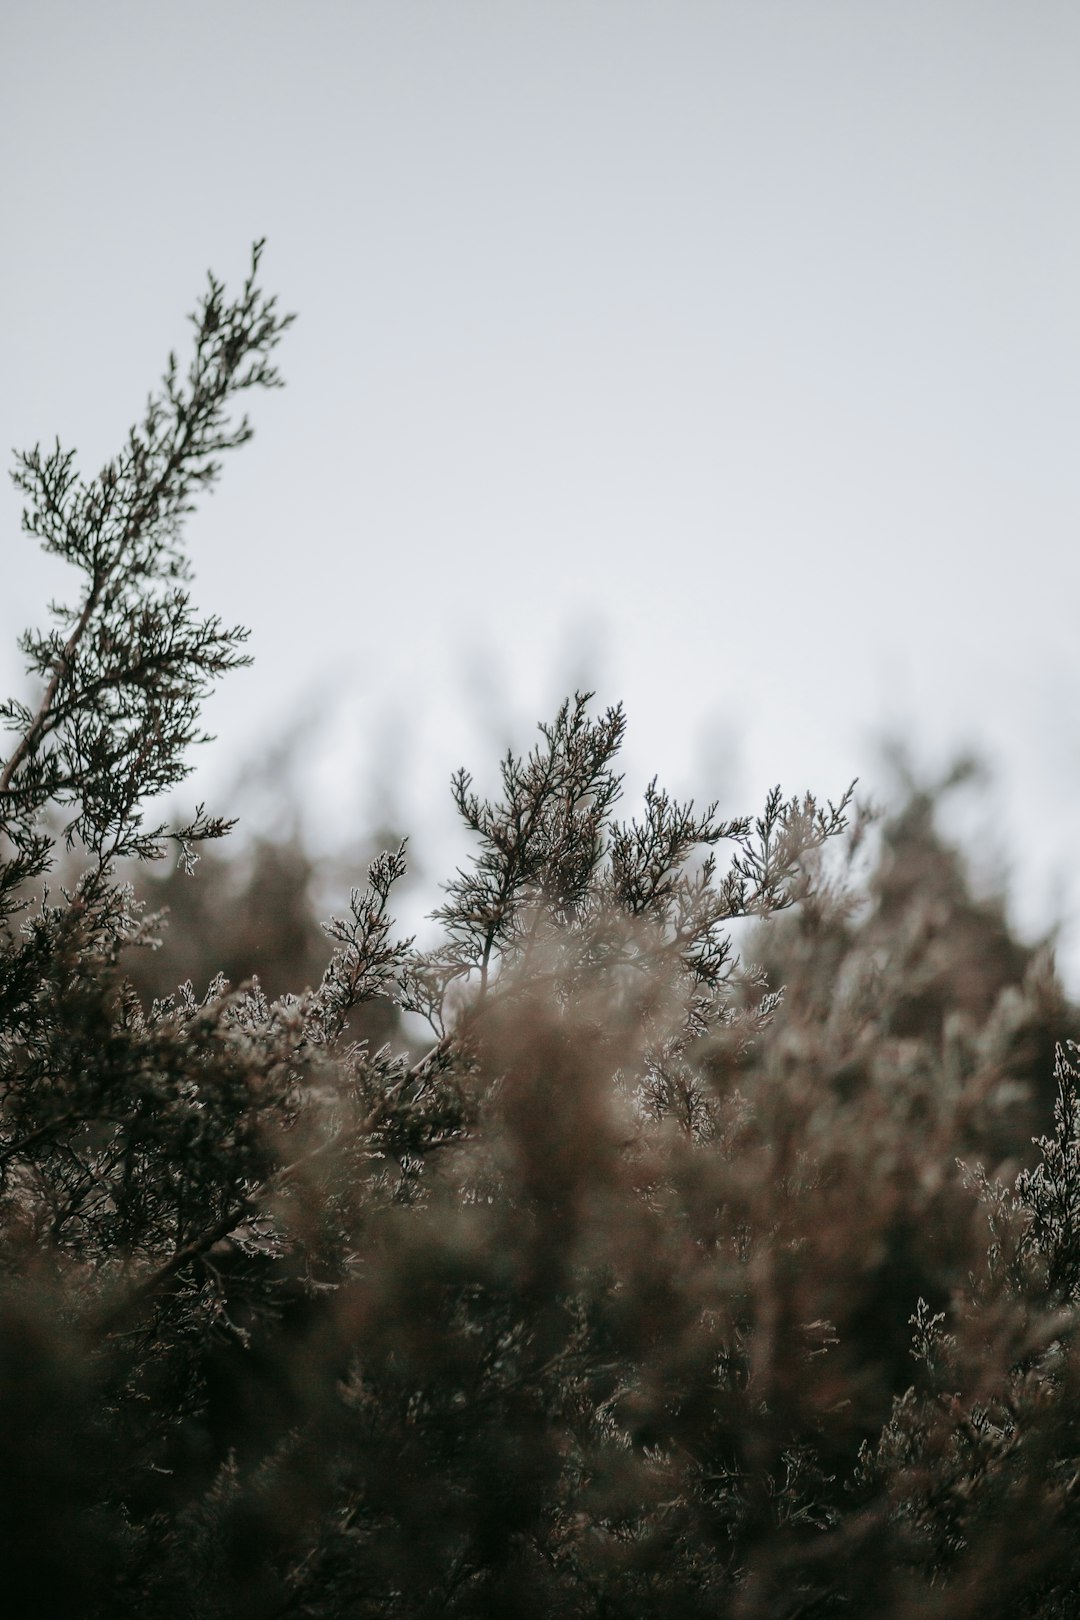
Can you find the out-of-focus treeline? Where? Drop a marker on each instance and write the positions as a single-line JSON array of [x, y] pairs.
[[942, 947], [934, 942]]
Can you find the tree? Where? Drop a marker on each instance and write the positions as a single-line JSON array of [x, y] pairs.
[[578, 1312]]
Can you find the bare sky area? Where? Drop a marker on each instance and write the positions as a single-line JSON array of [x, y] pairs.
[[723, 356]]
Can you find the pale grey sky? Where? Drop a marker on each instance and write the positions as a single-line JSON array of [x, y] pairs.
[[727, 353]]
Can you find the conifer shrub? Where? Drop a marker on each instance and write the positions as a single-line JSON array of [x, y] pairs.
[[657, 1284]]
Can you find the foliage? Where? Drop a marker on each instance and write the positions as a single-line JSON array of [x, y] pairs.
[[645, 1290]]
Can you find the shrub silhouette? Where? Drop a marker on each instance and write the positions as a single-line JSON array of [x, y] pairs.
[[643, 1291]]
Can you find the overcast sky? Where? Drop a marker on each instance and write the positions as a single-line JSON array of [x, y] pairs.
[[722, 355]]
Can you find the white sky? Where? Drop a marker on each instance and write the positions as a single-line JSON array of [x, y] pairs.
[[722, 355]]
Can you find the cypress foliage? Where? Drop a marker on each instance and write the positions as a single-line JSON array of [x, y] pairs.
[[653, 1286]]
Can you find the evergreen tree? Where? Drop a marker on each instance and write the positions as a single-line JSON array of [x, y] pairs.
[[592, 1309]]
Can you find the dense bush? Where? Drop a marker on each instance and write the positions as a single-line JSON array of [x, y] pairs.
[[648, 1289]]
